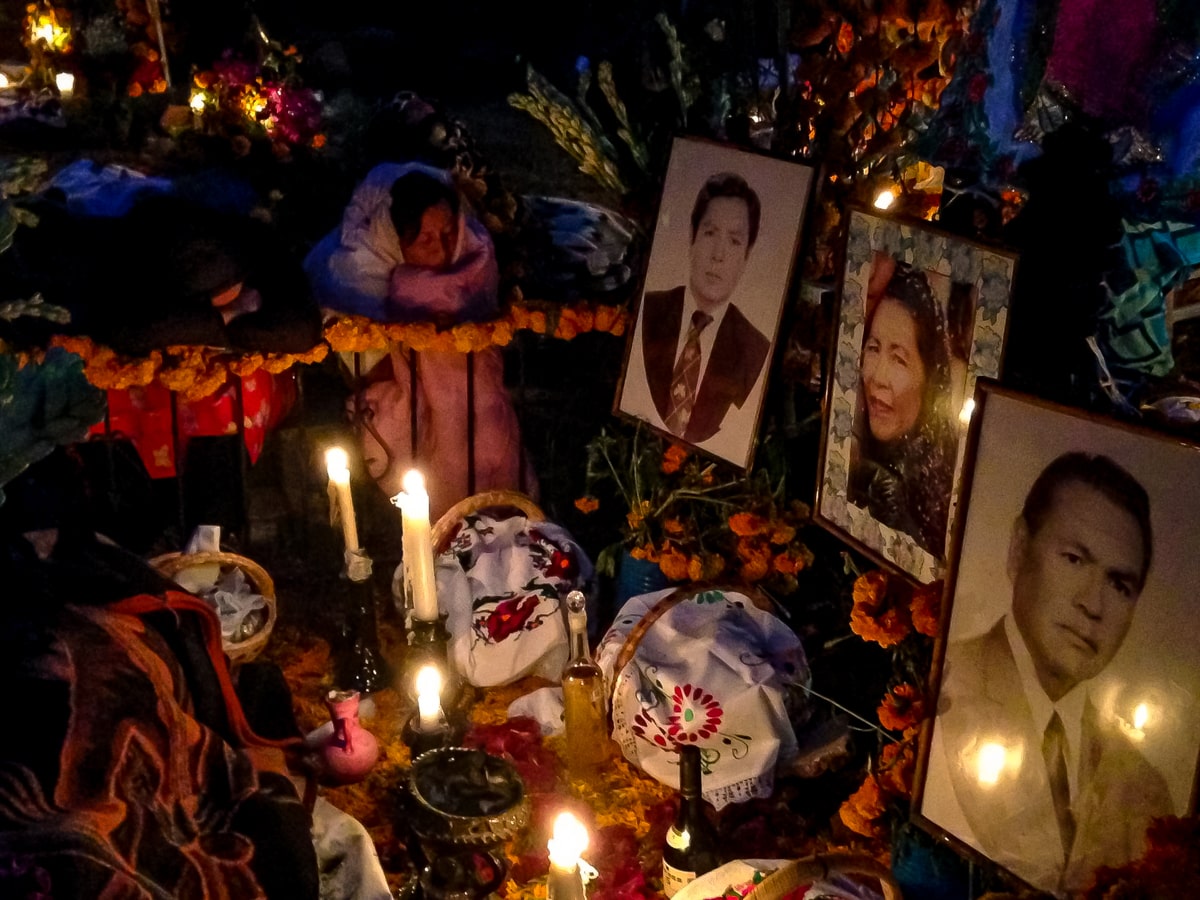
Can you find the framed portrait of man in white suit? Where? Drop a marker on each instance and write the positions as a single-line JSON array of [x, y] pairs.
[[1067, 684]]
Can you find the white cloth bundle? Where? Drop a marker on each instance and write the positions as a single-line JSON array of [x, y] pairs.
[[712, 671]]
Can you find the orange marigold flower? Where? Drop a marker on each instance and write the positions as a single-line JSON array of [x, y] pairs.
[[134, 89], [637, 515], [673, 562], [318, 141], [746, 524], [927, 608], [755, 570], [869, 589], [695, 569], [608, 318], [673, 459], [897, 764], [673, 526], [886, 629], [903, 707], [786, 564], [587, 505], [567, 328], [863, 809], [159, 86], [756, 559]]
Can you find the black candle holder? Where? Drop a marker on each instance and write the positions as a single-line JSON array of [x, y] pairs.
[[428, 644], [419, 740], [360, 664]]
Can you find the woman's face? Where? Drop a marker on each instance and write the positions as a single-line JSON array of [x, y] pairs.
[[433, 245], [893, 372]]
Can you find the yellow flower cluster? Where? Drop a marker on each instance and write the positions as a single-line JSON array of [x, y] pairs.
[[197, 372], [349, 334], [192, 372]]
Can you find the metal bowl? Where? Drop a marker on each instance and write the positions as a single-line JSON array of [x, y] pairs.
[[466, 797]]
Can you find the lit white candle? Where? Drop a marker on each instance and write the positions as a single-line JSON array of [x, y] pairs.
[[570, 839], [338, 466], [65, 82], [3, 80], [429, 698], [418, 545]]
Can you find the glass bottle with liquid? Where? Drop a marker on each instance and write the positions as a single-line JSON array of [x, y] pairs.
[[690, 849], [585, 712]]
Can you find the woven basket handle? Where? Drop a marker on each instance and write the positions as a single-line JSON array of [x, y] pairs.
[[677, 596], [801, 872]]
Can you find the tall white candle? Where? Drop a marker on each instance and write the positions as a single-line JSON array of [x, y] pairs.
[[429, 698], [565, 881], [418, 545], [337, 463]]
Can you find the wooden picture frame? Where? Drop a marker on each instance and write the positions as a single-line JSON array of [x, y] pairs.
[[1069, 593], [922, 314], [742, 279]]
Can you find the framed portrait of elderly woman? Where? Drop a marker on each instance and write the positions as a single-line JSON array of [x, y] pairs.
[[922, 314], [725, 243], [1066, 684]]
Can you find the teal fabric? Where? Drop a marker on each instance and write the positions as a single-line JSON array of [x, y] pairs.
[[1133, 326]]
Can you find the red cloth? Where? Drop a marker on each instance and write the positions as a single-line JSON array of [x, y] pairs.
[[143, 415]]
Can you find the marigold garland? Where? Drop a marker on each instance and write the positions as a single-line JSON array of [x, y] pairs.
[[197, 372], [356, 333]]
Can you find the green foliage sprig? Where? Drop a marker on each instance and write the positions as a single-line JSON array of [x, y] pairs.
[[571, 129]]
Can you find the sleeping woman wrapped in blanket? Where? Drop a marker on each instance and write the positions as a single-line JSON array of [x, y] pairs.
[[409, 249]]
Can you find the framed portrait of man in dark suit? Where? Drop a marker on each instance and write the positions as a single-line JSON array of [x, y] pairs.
[[1068, 692], [721, 261]]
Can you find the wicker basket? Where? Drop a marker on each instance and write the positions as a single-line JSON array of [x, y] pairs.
[[802, 872], [677, 596], [444, 526], [171, 564]]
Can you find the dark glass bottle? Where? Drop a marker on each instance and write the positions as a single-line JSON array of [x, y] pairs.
[[691, 846]]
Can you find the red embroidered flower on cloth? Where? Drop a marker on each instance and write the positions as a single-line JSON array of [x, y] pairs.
[[696, 714], [510, 616]]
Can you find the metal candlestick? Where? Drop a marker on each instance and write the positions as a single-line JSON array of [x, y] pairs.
[[360, 664], [428, 644], [419, 740]]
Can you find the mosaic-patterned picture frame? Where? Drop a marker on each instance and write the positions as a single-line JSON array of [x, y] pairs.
[[922, 315]]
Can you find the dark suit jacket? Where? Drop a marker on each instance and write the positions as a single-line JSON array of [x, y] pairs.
[[737, 358], [1118, 793]]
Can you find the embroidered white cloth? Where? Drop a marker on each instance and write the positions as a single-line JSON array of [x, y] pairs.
[[712, 671], [501, 583]]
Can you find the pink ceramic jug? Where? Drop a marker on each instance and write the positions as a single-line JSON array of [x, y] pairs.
[[351, 750]]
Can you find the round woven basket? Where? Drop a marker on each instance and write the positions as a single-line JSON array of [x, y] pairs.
[[677, 596], [822, 867], [171, 564], [497, 500]]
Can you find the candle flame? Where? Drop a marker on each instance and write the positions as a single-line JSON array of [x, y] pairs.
[[968, 409], [336, 460], [3, 80], [885, 198], [65, 82], [429, 681], [197, 103], [413, 482], [569, 841], [1141, 715]]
